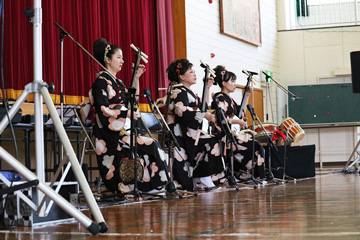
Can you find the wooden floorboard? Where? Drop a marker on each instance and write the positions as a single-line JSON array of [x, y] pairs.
[[324, 207]]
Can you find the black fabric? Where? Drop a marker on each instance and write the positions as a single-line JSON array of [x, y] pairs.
[[300, 161]]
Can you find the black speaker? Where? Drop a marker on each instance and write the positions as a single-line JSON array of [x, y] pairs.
[[300, 161], [355, 71]]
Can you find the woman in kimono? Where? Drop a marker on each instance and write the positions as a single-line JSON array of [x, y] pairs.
[[108, 95], [243, 150], [200, 156]]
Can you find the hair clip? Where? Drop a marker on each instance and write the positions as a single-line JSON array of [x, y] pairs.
[[107, 49]]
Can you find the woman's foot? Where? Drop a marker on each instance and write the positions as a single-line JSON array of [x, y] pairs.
[[126, 191], [196, 186], [245, 176], [207, 182]]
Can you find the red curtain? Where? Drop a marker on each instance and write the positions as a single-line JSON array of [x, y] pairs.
[[146, 24]]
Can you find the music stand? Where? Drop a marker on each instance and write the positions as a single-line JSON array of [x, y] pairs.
[[40, 91]]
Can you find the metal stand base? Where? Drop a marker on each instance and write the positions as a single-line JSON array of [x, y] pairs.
[[355, 163], [276, 180], [40, 89], [233, 183]]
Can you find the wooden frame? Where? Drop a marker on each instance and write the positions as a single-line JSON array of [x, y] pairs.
[[258, 103], [179, 28], [240, 19]]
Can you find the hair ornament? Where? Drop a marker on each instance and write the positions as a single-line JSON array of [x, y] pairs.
[[107, 49], [178, 67], [223, 74]]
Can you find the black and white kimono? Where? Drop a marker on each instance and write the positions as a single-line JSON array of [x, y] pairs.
[[112, 143], [243, 151], [202, 158]]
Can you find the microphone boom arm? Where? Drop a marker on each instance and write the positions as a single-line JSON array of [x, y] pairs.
[[89, 54], [279, 85]]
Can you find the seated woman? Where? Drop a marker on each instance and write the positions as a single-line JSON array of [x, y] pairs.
[[200, 152], [243, 151], [108, 95]]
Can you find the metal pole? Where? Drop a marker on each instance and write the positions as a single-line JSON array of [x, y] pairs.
[[39, 126]]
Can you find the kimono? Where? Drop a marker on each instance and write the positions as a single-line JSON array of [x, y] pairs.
[[112, 143], [200, 154], [243, 150]]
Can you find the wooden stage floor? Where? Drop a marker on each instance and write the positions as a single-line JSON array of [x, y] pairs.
[[324, 207]]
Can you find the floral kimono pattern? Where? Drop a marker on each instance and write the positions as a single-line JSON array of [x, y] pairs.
[[110, 101], [201, 158], [244, 149]]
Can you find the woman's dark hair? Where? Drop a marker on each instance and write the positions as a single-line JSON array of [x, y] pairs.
[[222, 75], [103, 49], [177, 68]]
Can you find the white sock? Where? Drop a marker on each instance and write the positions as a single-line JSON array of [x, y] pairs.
[[195, 182], [207, 181]]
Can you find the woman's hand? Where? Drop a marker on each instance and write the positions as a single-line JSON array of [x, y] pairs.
[[210, 82], [241, 122], [141, 69], [135, 116], [210, 117]]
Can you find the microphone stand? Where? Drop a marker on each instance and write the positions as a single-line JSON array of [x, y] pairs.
[[171, 142], [293, 97], [271, 146], [230, 141], [134, 134], [62, 35], [255, 118], [169, 139]]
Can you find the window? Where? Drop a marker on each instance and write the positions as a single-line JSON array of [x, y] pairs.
[[321, 13]]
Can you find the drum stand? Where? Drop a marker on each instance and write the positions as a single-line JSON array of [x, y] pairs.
[[40, 90], [285, 176]]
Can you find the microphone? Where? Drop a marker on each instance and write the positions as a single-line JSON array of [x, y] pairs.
[[295, 98], [266, 74], [251, 110], [249, 73], [147, 93]]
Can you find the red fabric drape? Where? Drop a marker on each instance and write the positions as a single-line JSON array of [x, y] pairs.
[[146, 24], [166, 44]]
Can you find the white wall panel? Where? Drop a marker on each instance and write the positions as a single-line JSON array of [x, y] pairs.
[[307, 55], [204, 37]]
